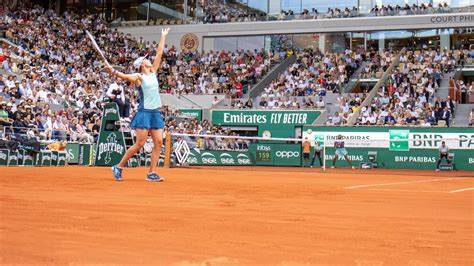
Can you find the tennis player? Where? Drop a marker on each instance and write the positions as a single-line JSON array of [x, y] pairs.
[[148, 119], [340, 152]]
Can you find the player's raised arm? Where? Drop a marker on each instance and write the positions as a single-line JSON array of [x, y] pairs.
[[130, 77], [159, 51]]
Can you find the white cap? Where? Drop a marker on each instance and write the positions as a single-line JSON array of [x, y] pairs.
[[138, 62]]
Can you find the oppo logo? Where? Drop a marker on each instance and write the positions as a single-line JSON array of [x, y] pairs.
[[287, 154]]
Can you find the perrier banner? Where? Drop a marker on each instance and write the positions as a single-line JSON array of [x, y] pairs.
[[111, 144]]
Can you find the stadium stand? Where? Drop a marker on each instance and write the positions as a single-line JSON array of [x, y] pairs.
[[50, 83], [388, 10], [409, 95], [215, 11], [214, 72], [312, 75], [53, 86]]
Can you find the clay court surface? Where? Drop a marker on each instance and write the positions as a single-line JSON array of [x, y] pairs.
[[236, 216]]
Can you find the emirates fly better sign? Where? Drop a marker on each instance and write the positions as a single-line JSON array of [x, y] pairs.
[[278, 123]]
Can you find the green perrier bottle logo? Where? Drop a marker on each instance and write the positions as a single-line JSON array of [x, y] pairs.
[[109, 148], [399, 140], [110, 139]]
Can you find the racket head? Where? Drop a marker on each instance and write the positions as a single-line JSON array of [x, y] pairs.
[[96, 47]]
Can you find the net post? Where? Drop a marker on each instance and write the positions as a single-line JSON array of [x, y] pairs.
[[324, 157], [167, 163]]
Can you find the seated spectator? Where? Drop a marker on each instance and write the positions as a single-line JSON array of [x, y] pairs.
[[39, 128], [81, 133], [445, 115], [329, 122], [320, 103], [389, 119], [249, 104], [4, 119], [470, 54], [336, 119], [215, 101], [96, 129], [19, 124]]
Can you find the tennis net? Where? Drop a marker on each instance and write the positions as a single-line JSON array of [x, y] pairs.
[[321, 150]]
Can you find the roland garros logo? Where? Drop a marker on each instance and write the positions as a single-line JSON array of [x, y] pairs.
[[189, 42]]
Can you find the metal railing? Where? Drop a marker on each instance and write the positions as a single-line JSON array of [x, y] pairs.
[[255, 17], [34, 132]]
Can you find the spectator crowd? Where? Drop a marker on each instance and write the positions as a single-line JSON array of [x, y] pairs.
[[311, 77], [408, 96], [219, 11], [53, 86], [178, 123], [53, 76]]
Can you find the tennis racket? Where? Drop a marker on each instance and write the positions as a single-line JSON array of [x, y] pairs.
[[97, 48]]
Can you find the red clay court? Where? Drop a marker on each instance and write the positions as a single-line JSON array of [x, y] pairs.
[[236, 216]]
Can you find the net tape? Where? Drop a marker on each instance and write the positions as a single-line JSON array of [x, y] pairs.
[[302, 140]]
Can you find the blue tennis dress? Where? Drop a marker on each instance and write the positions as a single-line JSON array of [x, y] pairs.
[[148, 115]]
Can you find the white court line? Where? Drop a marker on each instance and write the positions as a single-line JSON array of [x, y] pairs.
[[401, 183], [407, 190], [461, 190]]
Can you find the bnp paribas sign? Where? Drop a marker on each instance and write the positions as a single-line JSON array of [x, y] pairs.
[[393, 139], [399, 140], [111, 144]]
